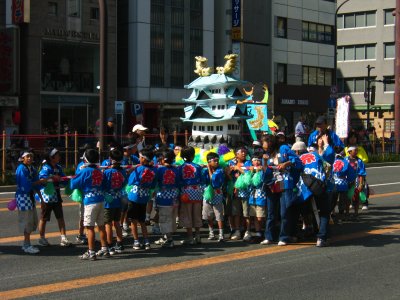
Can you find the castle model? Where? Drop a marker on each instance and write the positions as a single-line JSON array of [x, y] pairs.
[[212, 106]]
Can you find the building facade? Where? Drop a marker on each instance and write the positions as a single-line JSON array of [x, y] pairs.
[[366, 36], [58, 68], [290, 46], [157, 43]]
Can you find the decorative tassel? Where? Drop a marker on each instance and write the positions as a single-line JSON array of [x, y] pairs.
[[363, 197], [247, 179], [49, 189], [257, 179], [222, 163], [350, 192], [239, 184], [208, 193], [128, 188], [76, 195]]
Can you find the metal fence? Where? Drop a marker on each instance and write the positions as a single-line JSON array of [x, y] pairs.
[[70, 146]]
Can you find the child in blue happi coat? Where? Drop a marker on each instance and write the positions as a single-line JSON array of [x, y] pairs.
[[167, 197], [213, 198], [90, 181], [114, 182], [142, 182]]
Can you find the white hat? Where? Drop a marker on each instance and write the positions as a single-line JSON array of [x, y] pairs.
[[138, 127], [256, 143], [299, 146], [311, 149], [351, 148]]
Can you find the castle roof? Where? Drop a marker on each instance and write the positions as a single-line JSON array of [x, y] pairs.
[[204, 114], [214, 80]]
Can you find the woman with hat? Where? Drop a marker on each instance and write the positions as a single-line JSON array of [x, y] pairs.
[[51, 169]]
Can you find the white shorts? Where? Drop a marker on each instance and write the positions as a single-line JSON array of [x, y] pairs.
[[27, 220], [167, 218], [209, 211], [94, 215]]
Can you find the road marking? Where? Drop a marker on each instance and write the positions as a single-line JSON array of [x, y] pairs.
[[191, 264], [383, 167], [384, 195], [380, 184], [64, 205]]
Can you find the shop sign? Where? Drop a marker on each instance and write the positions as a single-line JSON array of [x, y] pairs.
[[63, 33], [300, 102], [10, 101]]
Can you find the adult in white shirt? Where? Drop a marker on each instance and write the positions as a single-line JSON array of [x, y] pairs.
[[300, 130], [139, 130]]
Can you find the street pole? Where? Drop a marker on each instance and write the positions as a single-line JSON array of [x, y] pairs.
[[368, 98], [396, 13], [103, 71]]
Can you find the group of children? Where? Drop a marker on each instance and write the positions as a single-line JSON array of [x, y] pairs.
[[265, 187]]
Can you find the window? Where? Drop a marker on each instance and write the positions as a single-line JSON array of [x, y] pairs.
[[317, 76], [210, 128], [213, 107], [74, 8], [52, 9], [357, 20], [314, 32], [281, 73], [157, 42], [353, 85], [389, 50], [194, 127], [389, 125], [94, 13], [389, 18], [388, 83], [281, 27], [219, 128], [356, 52], [370, 51]]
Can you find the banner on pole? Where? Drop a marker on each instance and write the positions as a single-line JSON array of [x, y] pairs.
[[342, 117], [259, 121]]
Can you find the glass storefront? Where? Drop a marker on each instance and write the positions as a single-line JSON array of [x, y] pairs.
[[61, 113], [70, 67], [69, 87]]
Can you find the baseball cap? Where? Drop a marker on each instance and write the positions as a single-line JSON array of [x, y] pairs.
[[139, 127]]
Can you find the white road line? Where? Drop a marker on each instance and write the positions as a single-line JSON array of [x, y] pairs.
[[383, 167], [381, 184]]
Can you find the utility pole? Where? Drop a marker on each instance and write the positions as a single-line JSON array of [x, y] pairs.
[[368, 98], [103, 70], [396, 14]]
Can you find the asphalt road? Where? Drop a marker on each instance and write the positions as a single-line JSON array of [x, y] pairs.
[[363, 262]]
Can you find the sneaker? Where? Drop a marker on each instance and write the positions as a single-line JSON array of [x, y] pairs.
[[282, 243], [65, 242], [188, 241], [365, 207], [247, 236], [118, 248], [81, 239], [137, 246], [156, 230], [266, 242], [147, 246], [88, 255], [168, 244], [104, 253], [221, 238], [125, 232], [161, 241], [44, 242], [321, 243], [197, 239], [30, 249], [211, 236], [236, 235], [111, 250]]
